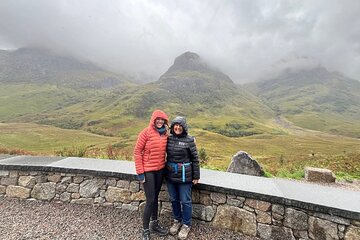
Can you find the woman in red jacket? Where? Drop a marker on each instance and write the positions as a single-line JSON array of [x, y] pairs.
[[149, 157]]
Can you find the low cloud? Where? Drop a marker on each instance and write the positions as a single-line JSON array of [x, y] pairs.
[[242, 38]]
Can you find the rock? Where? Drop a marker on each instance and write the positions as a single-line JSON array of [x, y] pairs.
[[129, 207], [263, 217], [164, 196], [352, 233], [235, 219], [205, 213], [99, 200], [257, 204], [243, 163], [166, 205], [2, 189], [66, 180], [205, 199], [4, 173], [134, 186], [44, 191], [60, 188], [322, 229], [123, 184], [13, 174], [195, 196], [75, 195], [54, 178], [296, 219], [277, 217], [102, 193], [166, 213], [278, 209], [274, 232], [334, 219], [40, 179], [356, 223], [9, 181], [114, 194], [83, 201], [341, 228], [78, 179], [111, 182], [27, 181], [218, 197], [142, 207], [65, 197], [138, 196], [319, 175], [235, 202], [17, 192], [73, 188], [301, 234], [89, 188]]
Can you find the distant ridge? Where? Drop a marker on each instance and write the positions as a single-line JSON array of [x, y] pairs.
[[35, 65], [313, 98]]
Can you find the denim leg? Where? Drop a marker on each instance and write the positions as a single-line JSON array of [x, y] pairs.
[[173, 190], [185, 198]]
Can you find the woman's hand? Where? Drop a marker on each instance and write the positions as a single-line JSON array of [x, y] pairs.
[[195, 181], [141, 178]]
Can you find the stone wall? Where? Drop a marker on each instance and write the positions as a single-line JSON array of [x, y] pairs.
[[252, 217]]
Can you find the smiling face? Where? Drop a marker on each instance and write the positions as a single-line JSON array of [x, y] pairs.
[[178, 129], [159, 122]]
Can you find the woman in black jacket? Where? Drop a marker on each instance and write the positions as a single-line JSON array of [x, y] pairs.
[[182, 171]]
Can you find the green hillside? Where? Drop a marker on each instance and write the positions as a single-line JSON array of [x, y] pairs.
[[43, 96], [314, 99]]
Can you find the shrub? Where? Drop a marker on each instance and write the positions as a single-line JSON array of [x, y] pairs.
[[203, 157], [74, 151]]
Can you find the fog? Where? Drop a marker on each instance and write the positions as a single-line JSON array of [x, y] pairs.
[[244, 39]]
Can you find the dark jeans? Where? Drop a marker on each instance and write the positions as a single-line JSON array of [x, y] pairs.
[[152, 186], [180, 196]]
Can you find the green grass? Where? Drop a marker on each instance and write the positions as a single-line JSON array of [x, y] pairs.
[[281, 155], [44, 139]]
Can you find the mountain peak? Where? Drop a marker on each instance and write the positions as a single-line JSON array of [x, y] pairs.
[[188, 61]]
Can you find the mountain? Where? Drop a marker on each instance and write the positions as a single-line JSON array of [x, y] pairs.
[[37, 84], [42, 87], [41, 66], [192, 80], [192, 88], [313, 98]]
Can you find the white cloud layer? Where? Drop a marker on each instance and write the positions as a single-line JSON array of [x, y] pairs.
[[241, 38]]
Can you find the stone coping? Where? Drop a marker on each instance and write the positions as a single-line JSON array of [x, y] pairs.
[[324, 199]]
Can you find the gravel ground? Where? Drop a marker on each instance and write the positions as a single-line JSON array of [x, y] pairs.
[[25, 219]]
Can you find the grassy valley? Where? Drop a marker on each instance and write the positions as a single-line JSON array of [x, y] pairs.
[[314, 99], [62, 107]]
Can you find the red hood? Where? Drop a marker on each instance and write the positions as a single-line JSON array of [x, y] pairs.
[[158, 114]]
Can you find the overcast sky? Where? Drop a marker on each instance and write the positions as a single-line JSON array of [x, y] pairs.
[[241, 38]]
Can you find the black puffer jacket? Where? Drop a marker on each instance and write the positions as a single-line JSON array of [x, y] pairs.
[[182, 156]]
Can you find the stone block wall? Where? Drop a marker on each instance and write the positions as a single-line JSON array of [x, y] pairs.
[[252, 217]]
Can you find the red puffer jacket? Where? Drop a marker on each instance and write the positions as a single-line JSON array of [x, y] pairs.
[[150, 148]]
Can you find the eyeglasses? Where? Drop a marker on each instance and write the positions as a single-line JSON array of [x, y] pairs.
[[159, 120]]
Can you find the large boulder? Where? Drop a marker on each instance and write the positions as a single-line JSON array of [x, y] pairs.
[[319, 175], [243, 163], [235, 219]]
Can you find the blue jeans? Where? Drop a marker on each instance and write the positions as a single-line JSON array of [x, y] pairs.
[[180, 196]]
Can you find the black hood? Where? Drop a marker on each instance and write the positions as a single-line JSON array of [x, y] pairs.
[[182, 122]]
